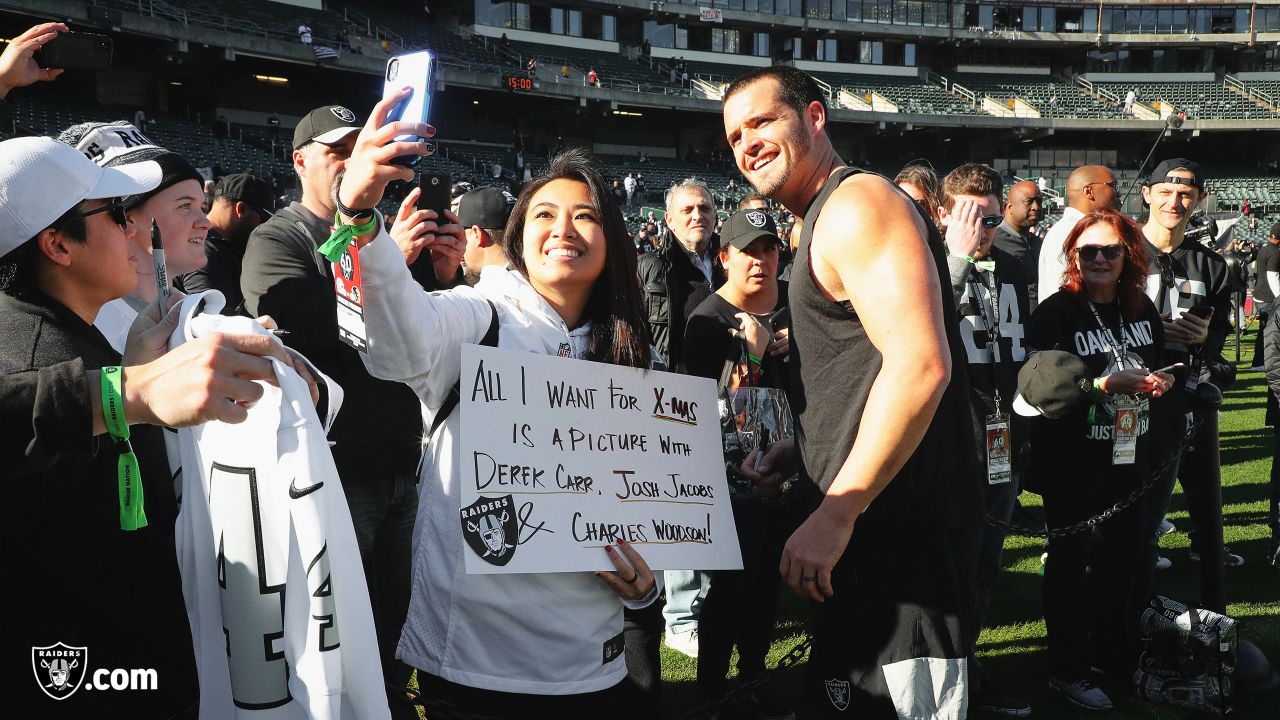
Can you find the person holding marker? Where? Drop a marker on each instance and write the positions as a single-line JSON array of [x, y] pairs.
[[105, 507], [504, 646], [174, 206]]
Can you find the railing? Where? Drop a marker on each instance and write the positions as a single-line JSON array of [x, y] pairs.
[[966, 93], [1251, 93], [826, 88], [372, 29], [936, 78], [213, 21]]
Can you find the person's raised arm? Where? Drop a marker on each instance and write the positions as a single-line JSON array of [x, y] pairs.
[[18, 67], [414, 337], [870, 247]]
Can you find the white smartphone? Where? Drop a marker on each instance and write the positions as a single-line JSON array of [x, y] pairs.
[[415, 70]]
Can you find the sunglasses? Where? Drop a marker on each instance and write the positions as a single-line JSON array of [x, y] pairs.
[[114, 207], [992, 221], [1089, 253]]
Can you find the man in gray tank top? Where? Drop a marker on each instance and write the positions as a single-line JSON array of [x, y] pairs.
[[889, 552]]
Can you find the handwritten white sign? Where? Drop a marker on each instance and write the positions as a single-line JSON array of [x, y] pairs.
[[562, 457]]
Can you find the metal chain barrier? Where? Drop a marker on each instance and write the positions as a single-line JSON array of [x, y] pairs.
[[443, 710], [1090, 523], [744, 691]]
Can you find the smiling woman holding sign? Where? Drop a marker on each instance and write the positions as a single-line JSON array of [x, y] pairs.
[[504, 645]]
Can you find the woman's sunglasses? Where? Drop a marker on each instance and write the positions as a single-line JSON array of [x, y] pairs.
[[1089, 253], [114, 207]]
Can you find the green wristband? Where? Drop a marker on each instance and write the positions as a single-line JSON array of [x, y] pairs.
[[344, 235], [128, 475], [754, 359]]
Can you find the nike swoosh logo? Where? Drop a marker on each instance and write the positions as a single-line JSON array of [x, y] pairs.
[[295, 492]]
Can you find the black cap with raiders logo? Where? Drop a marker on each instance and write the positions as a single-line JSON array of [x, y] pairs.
[[745, 227], [327, 125], [1052, 383], [1161, 173]]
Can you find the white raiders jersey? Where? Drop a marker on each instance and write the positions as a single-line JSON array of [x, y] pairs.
[[271, 571]]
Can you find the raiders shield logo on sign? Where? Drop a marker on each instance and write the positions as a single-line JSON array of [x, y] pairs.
[[756, 218], [489, 525], [59, 669], [838, 693]]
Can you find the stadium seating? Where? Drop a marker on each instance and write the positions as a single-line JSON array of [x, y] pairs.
[[1196, 99], [263, 19], [1052, 98], [911, 95]]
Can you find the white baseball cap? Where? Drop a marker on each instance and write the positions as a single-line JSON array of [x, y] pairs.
[[41, 178]]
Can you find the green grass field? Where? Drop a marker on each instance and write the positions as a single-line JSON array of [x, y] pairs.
[[1012, 646]]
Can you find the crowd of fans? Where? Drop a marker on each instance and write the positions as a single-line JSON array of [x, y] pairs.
[[984, 347]]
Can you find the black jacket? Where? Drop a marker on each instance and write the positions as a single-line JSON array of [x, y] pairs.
[[44, 413], [221, 272], [1271, 356], [379, 430], [669, 281], [73, 575]]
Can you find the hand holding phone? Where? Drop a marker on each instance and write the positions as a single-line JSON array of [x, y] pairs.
[[18, 66], [417, 72], [76, 51]]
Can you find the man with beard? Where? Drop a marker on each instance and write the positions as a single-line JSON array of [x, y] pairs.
[[1022, 213], [240, 204], [889, 552]]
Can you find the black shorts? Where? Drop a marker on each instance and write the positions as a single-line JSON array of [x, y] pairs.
[[893, 639]]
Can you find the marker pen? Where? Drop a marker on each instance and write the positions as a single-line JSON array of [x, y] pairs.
[[162, 270]]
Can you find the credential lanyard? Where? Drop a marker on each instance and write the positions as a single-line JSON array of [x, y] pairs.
[[1111, 339], [990, 317]]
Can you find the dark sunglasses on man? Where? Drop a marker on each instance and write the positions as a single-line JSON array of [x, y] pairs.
[[1089, 253], [991, 222], [113, 206]]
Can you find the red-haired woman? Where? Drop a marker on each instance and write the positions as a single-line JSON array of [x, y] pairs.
[[1085, 460]]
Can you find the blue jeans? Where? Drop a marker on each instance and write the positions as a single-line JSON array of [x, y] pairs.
[[686, 589], [383, 510]]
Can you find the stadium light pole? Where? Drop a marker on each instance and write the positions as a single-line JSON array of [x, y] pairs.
[[1173, 122]]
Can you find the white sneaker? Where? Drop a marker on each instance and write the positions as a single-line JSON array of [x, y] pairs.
[[1083, 693], [685, 643], [1166, 527], [1163, 563]]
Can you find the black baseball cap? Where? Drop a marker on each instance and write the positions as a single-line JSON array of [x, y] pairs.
[[327, 125], [1161, 173], [252, 191], [1052, 383], [488, 207], [745, 227]]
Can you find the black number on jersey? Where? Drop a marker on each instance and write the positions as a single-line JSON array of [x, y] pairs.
[[251, 577]]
